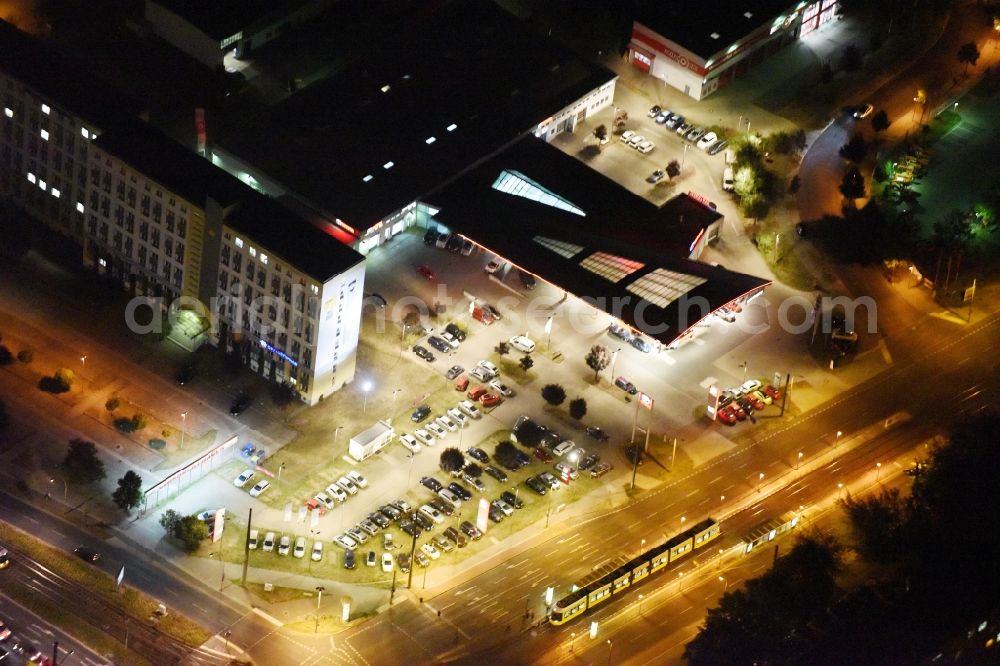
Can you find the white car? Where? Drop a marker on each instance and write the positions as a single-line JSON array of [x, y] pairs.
[[646, 147], [470, 409], [507, 509], [252, 543], [636, 140], [325, 500], [476, 483], [447, 494], [336, 492], [749, 386], [260, 487], [562, 448], [707, 140], [424, 437], [410, 443], [522, 344], [347, 485], [449, 338], [481, 373], [346, 541], [430, 551], [490, 368], [284, 545], [268, 542], [437, 430], [317, 551], [386, 563], [626, 135], [458, 417], [444, 422], [359, 481], [432, 513], [501, 388], [300, 548], [243, 478]]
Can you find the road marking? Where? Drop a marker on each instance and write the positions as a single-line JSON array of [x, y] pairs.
[[693, 492], [718, 478], [266, 616]]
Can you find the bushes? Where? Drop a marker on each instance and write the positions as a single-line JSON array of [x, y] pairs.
[[26, 356], [112, 404], [60, 383], [133, 424], [6, 358]]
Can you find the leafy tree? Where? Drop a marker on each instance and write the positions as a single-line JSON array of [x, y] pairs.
[[968, 54], [81, 462], [190, 532], [745, 181], [128, 494], [554, 394], [26, 356], [794, 184], [952, 231], [505, 452], [749, 154], [855, 149], [112, 403], [853, 184], [526, 363], [880, 121], [169, 521], [452, 460], [601, 133], [755, 206], [473, 470], [597, 359], [502, 348], [6, 358], [851, 59], [876, 521], [578, 408], [673, 169]]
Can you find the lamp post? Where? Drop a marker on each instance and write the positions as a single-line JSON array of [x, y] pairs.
[[281, 468], [65, 488], [366, 388], [642, 544], [799, 461], [336, 431], [83, 360], [184, 416], [745, 365], [878, 470], [684, 156], [614, 358], [609, 652], [319, 598], [723, 579], [760, 479], [572, 639], [840, 490]]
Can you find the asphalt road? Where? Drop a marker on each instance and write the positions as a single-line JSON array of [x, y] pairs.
[[29, 627]]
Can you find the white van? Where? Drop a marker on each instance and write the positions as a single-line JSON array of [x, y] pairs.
[[727, 179], [522, 344]]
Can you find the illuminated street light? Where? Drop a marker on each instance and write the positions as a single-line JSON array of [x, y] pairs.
[[642, 544], [83, 360], [65, 488], [184, 416], [799, 461], [723, 579], [336, 431], [614, 357], [837, 441], [366, 387], [609, 652], [840, 490], [760, 479], [878, 471]]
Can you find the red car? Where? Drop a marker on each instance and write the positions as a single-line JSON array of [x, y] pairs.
[[727, 416], [773, 392], [490, 399], [755, 402], [543, 455], [426, 272], [477, 393], [482, 315], [739, 412]]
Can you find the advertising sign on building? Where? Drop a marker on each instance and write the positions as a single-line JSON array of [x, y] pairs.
[[220, 523], [483, 516], [646, 401]]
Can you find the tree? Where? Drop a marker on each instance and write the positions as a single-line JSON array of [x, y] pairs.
[[505, 452], [748, 154], [855, 149], [851, 59], [452, 460], [853, 185], [474, 470], [81, 462], [673, 169], [876, 522], [952, 231], [968, 54], [128, 495], [190, 532], [169, 521], [755, 206], [578, 408], [554, 394], [502, 348], [601, 134], [794, 184], [880, 121], [526, 363], [6, 358], [597, 359]]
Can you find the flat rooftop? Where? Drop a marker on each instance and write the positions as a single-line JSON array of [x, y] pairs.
[[709, 26], [548, 214], [220, 19], [421, 107]]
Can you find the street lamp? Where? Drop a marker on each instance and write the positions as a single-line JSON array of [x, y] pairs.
[[799, 461], [614, 358], [83, 360], [319, 598], [65, 488], [745, 365], [336, 431], [760, 479], [184, 416], [878, 470], [684, 156], [366, 387], [837, 441], [723, 579], [642, 544], [840, 490]]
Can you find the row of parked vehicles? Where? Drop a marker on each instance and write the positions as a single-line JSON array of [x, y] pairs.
[[700, 136], [738, 404]]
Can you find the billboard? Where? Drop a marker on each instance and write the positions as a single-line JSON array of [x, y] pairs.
[[220, 521], [483, 517]]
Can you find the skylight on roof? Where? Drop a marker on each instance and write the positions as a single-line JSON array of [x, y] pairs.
[[452, 127], [519, 185], [388, 165], [662, 287], [430, 140], [748, 14], [609, 266], [562, 248], [385, 88], [714, 35], [367, 178]]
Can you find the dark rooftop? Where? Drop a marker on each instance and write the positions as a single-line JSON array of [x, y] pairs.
[[635, 252], [77, 92], [220, 19], [419, 108], [292, 238], [692, 24]]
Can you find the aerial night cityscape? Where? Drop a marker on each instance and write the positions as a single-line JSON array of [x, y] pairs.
[[378, 332]]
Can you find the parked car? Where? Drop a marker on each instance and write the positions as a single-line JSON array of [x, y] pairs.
[[454, 371], [240, 404], [490, 400], [497, 474], [707, 140], [482, 315], [186, 374], [349, 561], [386, 563], [357, 534], [596, 433], [501, 388], [459, 538], [268, 542], [662, 116], [626, 385], [646, 147], [451, 340], [493, 370], [683, 128], [467, 247], [522, 344], [454, 243], [444, 507], [423, 353], [439, 344], [430, 237], [653, 111], [482, 374], [641, 344], [426, 272], [260, 487], [300, 548], [349, 486], [527, 279], [717, 147], [492, 267], [636, 140], [442, 543], [430, 551], [774, 393], [543, 455], [674, 121], [323, 500], [600, 469], [695, 134], [403, 562], [458, 416], [421, 559], [445, 422], [495, 514], [460, 490], [253, 540], [390, 512], [727, 416], [369, 527], [626, 136], [284, 545], [435, 429], [424, 437], [431, 483], [379, 519], [470, 530], [562, 448], [87, 554], [589, 461], [566, 470], [454, 329], [655, 177], [512, 499], [410, 528], [336, 492], [432, 513], [478, 454], [420, 413], [357, 479], [243, 478], [493, 311], [537, 485], [620, 332]]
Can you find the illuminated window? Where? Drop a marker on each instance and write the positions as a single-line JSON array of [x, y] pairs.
[[56, 193], [31, 178], [367, 178], [314, 288], [609, 266], [561, 248], [46, 109], [8, 112], [662, 287], [85, 133], [430, 140], [239, 242], [452, 127], [385, 88], [43, 185], [253, 252], [45, 135], [263, 259], [79, 206], [388, 165], [519, 185]]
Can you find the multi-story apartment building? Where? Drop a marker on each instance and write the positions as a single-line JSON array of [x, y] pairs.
[[50, 113]]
